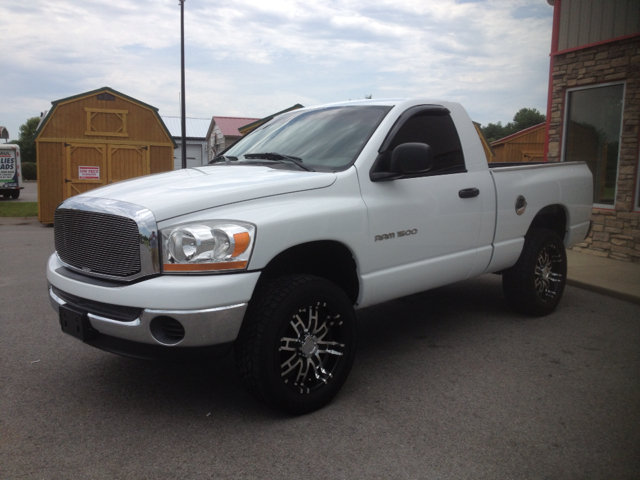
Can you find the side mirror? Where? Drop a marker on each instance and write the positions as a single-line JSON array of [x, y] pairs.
[[411, 158]]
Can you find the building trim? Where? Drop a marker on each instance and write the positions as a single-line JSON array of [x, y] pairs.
[[636, 199], [595, 44], [555, 33]]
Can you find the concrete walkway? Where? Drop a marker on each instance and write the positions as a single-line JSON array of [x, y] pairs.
[[604, 275]]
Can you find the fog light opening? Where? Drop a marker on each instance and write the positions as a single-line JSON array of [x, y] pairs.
[[166, 330]]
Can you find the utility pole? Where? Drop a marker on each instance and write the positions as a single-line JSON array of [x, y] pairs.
[[184, 120]]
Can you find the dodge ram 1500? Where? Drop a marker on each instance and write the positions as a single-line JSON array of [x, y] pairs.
[[272, 247]]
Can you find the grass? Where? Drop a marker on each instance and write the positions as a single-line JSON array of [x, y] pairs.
[[18, 209]]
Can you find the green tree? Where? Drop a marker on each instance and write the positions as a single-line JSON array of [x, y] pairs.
[[527, 117], [26, 139], [524, 118], [493, 131]]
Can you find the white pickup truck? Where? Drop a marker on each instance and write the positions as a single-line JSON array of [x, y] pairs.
[[317, 213]]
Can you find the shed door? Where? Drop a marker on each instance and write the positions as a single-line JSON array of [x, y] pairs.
[[86, 168], [127, 161]]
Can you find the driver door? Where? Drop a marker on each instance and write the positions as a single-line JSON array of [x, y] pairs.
[[424, 228]]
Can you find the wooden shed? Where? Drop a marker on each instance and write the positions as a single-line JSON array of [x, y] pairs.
[[524, 146], [96, 138], [488, 152]]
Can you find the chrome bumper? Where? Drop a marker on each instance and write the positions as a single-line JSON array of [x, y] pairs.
[[206, 327]]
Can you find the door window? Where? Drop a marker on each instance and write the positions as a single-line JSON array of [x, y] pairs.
[[434, 127]]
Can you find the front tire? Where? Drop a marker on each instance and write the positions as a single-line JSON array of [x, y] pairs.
[[297, 343], [535, 284]]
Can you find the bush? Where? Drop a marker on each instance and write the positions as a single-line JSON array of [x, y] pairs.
[[29, 171]]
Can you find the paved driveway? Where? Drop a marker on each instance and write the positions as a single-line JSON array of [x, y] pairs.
[[447, 384]]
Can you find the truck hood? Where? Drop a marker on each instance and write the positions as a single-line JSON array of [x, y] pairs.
[[180, 192]]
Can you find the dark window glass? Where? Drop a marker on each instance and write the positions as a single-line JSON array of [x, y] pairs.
[[437, 131], [593, 136]]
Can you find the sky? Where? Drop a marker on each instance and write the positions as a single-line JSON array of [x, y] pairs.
[[251, 58]]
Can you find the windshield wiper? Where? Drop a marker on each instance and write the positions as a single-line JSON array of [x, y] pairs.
[[279, 157], [221, 158]]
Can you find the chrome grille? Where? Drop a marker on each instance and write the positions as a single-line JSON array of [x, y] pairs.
[[97, 243]]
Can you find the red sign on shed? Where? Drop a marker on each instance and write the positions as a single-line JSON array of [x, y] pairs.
[[89, 173]]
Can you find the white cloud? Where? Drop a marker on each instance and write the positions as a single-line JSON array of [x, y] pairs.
[[254, 57]]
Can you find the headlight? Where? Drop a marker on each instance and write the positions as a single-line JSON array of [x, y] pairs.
[[207, 246]]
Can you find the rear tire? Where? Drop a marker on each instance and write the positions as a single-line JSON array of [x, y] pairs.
[[535, 284], [15, 194], [297, 343]]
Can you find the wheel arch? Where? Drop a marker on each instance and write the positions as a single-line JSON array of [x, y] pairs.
[[553, 217], [327, 259]]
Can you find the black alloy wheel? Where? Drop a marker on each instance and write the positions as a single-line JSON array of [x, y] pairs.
[[535, 284], [297, 344]]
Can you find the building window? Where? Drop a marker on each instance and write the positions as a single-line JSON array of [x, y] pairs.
[[593, 126]]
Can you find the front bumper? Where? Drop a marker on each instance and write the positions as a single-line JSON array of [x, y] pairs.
[[210, 308]]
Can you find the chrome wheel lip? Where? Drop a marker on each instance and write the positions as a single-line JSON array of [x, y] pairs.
[[310, 349]]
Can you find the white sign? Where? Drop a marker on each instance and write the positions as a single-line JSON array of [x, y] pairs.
[[7, 166], [88, 173]]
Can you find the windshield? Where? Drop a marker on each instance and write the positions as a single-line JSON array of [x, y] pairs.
[[326, 139]]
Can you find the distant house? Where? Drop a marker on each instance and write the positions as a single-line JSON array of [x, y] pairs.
[[224, 132], [196, 138], [4, 133], [524, 146]]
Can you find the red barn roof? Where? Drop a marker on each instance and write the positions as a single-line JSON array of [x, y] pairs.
[[229, 125]]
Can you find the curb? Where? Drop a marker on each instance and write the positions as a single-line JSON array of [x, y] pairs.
[[604, 291]]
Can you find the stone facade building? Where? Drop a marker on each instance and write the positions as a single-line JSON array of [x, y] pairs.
[[594, 113]]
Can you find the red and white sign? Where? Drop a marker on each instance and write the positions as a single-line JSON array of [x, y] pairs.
[[88, 173]]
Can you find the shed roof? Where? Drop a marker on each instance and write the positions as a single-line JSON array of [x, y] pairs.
[[196, 127], [97, 91], [518, 134], [229, 125]]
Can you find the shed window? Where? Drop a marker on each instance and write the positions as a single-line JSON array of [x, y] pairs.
[[593, 127], [106, 122]]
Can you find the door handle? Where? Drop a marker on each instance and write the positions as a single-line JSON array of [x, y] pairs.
[[468, 193]]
